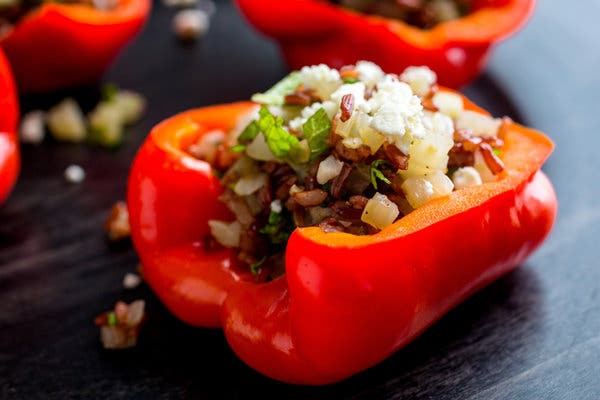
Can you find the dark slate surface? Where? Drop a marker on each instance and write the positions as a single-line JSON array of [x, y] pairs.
[[535, 334]]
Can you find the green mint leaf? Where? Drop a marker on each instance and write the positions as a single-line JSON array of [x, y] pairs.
[[280, 142], [249, 133], [316, 130], [351, 80], [238, 148], [111, 319], [276, 95], [278, 228], [377, 174], [255, 268], [497, 152]]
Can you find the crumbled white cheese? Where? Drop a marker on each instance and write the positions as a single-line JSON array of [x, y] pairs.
[[322, 79], [355, 89], [466, 177], [396, 109], [276, 206], [74, 174], [32, 127], [369, 73], [420, 79]]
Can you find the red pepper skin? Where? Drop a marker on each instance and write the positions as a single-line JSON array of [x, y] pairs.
[[346, 302], [310, 32], [9, 115], [62, 45]]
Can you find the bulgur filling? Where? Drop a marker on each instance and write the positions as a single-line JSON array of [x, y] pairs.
[[348, 151], [424, 14]]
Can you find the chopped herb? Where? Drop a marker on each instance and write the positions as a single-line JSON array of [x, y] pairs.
[[109, 92], [111, 318], [249, 133], [278, 228], [351, 80], [276, 95], [280, 142], [497, 152], [316, 130], [255, 268], [238, 148], [377, 174]]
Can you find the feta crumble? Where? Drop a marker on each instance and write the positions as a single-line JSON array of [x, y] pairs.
[[322, 79]]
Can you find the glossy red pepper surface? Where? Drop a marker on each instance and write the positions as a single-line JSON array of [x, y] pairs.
[[60, 45], [313, 31], [346, 302], [9, 115]]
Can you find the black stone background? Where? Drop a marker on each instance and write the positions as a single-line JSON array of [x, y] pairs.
[[535, 334]]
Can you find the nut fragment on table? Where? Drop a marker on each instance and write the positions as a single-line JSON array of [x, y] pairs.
[[190, 24], [131, 281], [117, 224], [32, 129], [120, 328], [74, 174]]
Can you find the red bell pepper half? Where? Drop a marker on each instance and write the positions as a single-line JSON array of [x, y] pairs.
[[60, 44], [314, 31], [9, 115], [346, 302]]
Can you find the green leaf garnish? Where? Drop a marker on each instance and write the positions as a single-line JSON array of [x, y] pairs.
[[497, 152], [276, 95], [316, 130], [278, 228], [249, 133], [280, 142], [351, 80], [377, 174], [111, 318], [238, 148], [109, 91], [255, 268]]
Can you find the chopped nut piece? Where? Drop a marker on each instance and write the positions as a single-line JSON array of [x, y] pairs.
[[117, 224], [347, 107], [119, 329], [66, 122], [32, 127]]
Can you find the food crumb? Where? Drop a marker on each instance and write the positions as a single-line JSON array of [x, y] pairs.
[[190, 24], [32, 128], [74, 174], [131, 281], [120, 327], [117, 224]]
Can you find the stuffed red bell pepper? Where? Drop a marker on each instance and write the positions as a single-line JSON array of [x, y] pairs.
[[453, 37], [54, 44], [334, 219], [9, 114]]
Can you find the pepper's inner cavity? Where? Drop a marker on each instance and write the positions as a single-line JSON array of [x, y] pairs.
[[349, 150], [424, 14]]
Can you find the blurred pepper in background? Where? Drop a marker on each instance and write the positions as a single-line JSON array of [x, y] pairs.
[[54, 45], [312, 32]]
